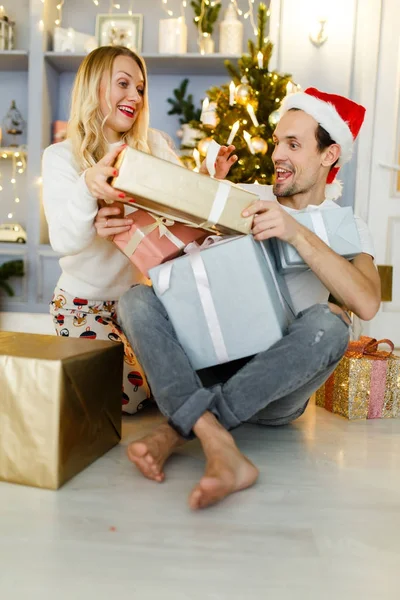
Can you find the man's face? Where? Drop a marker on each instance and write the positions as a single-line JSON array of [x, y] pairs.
[[297, 160]]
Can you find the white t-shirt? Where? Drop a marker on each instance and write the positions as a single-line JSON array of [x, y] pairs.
[[304, 287], [92, 267]]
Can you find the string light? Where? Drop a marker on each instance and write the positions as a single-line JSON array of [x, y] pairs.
[[59, 16], [18, 159], [170, 13]]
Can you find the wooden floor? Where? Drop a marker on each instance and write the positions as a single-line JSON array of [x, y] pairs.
[[323, 523]]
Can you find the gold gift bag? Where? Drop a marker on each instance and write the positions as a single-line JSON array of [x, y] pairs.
[[60, 406], [170, 190]]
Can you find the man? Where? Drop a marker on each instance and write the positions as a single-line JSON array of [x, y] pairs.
[[312, 140]]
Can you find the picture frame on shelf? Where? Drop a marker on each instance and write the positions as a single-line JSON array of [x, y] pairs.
[[120, 30]]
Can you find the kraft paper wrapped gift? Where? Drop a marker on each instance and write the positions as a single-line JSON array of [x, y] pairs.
[[172, 191], [153, 240], [335, 226], [60, 406], [365, 384], [225, 301]]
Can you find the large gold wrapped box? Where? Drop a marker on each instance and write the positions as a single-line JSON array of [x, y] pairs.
[[170, 190], [60, 406]]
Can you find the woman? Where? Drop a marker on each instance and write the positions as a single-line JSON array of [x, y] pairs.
[[109, 109]]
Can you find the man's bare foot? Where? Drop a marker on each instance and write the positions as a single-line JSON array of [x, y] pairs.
[[227, 469], [150, 453]]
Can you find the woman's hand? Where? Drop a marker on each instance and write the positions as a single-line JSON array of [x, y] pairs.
[[223, 162], [96, 177], [110, 220]]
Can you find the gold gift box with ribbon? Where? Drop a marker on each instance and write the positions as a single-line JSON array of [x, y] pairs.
[[365, 384], [172, 191], [60, 406]]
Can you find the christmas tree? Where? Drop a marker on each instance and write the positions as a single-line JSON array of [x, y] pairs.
[[245, 112]]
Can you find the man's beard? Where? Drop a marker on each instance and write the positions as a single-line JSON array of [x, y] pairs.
[[290, 191]]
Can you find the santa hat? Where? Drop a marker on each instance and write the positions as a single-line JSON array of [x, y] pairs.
[[340, 117]]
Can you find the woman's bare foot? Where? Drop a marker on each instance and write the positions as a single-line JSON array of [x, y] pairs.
[[227, 469], [150, 453]]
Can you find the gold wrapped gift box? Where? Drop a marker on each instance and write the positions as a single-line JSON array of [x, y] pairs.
[[60, 406], [365, 384], [170, 190]]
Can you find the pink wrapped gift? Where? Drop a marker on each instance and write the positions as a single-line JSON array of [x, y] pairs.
[[153, 240]]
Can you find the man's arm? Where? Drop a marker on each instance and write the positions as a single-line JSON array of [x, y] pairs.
[[355, 285]]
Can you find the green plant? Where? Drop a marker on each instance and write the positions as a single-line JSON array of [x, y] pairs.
[[183, 106], [206, 14], [12, 268]]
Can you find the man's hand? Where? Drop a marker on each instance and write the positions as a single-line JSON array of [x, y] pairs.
[[223, 162], [271, 220]]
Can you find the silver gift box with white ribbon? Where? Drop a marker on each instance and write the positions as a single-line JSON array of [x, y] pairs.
[[335, 226], [225, 301]]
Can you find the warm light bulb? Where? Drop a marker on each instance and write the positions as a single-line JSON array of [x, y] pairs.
[[17, 200], [13, 180]]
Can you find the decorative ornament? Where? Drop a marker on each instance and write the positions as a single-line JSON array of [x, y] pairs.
[[273, 118], [172, 36], [7, 29], [231, 33], [13, 122], [243, 92], [203, 145], [209, 116], [190, 136], [259, 144], [206, 15]]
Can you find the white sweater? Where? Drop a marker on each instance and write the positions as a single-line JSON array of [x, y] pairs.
[[92, 267]]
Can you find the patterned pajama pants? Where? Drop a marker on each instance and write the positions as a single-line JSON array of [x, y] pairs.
[[77, 317]]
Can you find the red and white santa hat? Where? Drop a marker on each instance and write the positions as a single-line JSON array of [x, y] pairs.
[[340, 117]]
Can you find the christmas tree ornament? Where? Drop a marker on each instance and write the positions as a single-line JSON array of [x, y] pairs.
[[203, 145], [234, 130], [247, 137], [231, 33], [259, 144], [13, 122], [172, 36], [209, 116], [232, 89], [260, 60], [243, 92], [273, 118], [250, 110]]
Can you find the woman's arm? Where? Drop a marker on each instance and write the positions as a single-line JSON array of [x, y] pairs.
[[69, 207]]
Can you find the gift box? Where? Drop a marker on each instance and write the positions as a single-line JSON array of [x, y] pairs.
[[59, 131], [60, 406], [153, 240], [172, 191], [335, 226], [365, 384], [225, 301]]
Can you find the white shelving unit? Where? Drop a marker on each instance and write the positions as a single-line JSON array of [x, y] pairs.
[[157, 64], [13, 60], [42, 80]]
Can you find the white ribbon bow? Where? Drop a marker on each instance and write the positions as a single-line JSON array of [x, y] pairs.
[[160, 223]]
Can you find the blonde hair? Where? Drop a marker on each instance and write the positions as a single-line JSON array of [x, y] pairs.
[[86, 123]]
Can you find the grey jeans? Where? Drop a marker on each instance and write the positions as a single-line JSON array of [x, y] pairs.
[[270, 388]]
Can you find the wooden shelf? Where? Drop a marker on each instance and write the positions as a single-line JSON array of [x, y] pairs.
[[157, 64], [13, 60]]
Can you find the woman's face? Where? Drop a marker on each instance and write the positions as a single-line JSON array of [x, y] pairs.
[[126, 97]]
